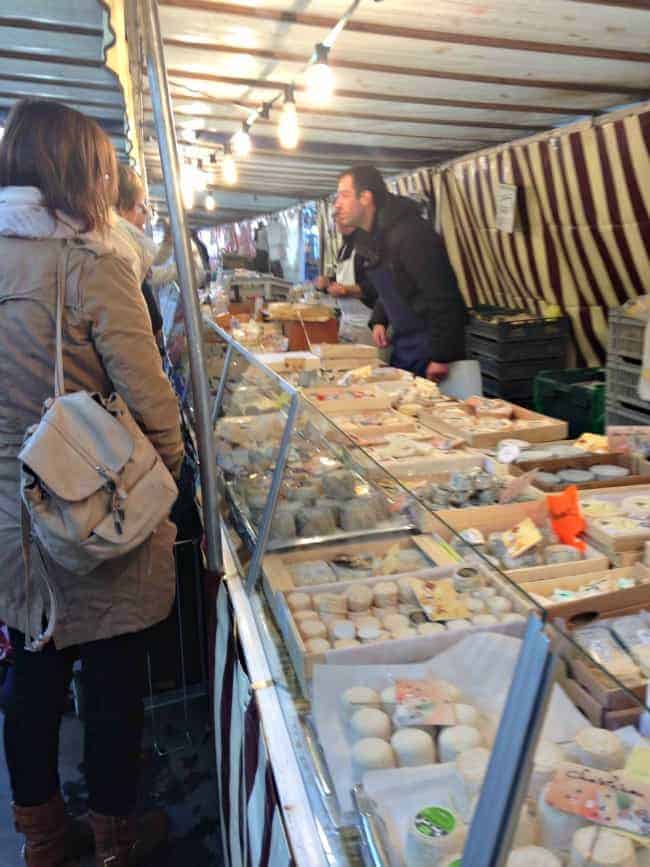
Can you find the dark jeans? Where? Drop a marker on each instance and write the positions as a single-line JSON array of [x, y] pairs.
[[113, 677]]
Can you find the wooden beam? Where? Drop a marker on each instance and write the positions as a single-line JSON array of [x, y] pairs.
[[389, 118], [268, 84], [355, 25], [414, 71]]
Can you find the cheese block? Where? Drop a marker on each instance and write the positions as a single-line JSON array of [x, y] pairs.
[[456, 740], [356, 697], [599, 847], [371, 754], [434, 833], [532, 856], [413, 747], [370, 722], [598, 748]]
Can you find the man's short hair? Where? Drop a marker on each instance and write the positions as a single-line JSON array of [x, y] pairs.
[[367, 177]]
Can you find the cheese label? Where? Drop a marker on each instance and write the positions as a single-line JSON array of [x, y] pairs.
[[435, 822], [440, 601], [638, 764], [422, 702], [521, 538], [615, 799]]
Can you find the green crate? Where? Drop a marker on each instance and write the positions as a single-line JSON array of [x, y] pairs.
[[577, 396]]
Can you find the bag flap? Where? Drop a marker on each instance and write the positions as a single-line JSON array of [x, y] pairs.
[[75, 439]]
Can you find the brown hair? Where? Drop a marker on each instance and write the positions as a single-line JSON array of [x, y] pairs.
[[66, 155], [367, 177], [129, 185]]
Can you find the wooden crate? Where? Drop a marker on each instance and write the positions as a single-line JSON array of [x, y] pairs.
[[370, 427], [594, 711], [489, 519], [553, 429], [625, 542], [335, 399], [576, 612], [639, 470]]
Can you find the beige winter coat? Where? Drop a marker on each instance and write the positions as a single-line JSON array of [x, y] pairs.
[[108, 345]]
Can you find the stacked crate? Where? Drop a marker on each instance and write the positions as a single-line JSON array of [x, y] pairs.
[[512, 352], [624, 357]]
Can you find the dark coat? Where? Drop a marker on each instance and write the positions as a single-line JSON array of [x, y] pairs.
[[405, 245]]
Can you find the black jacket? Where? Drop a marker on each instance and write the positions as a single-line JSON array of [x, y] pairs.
[[402, 241], [368, 294]]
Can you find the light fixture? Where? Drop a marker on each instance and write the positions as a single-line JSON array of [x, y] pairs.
[[229, 168], [241, 141], [288, 128], [210, 203], [319, 79]]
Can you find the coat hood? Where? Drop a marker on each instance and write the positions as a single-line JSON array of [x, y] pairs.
[[396, 210], [370, 246]]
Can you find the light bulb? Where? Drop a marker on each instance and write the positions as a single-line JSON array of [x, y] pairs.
[[229, 170], [241, 143], [210, 203], [288, 128], [319, 83], [188, 196]]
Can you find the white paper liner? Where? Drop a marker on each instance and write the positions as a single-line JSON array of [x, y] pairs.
[[480, 665]]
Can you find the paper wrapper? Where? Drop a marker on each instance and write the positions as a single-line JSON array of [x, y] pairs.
[[480, 666]]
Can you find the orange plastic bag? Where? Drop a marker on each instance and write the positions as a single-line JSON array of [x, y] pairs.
[[566, 517]]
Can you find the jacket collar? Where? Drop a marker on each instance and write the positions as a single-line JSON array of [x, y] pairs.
[[23, 215]]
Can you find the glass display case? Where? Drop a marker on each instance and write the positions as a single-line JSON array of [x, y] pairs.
[[429, 689]]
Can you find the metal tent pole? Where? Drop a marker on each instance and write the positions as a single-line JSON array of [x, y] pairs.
[[164, 120]]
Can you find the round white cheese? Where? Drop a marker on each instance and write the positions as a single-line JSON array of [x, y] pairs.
[[413, 747], [458, 625], [474, 605], [331, 603], [499, 605], [406, 589], [341, 629], [430, 628], [466, 715], [357, 697], [318, 645], [359, 598], [484, 620], [370, 722], [343, 643], [598, 748], [433, 834], [396, 622], [312, 628], [456, 740], [308, 614], [532, 856], [386, 594], [599, 847], [556, 829], [299, 601], [371, 754], [548, 758], [472, 767], [527, 832]]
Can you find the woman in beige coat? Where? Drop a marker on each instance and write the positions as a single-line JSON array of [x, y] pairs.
[[58, 178]]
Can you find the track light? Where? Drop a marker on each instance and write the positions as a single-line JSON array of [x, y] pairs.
[[210, 203], [288, 127], [319, 79], [241, 141], [229, 168]]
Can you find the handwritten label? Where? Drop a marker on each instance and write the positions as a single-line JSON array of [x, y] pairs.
[[439, 600], [506, 207], [423, 702]]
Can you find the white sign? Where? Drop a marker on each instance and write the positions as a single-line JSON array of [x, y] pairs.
[[506, 207]]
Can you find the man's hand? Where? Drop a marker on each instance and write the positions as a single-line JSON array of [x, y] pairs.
[[337, 290], [322, 283], [436, 371], [380, 336]]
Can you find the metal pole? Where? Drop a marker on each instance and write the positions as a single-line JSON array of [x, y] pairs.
[[164, 119]]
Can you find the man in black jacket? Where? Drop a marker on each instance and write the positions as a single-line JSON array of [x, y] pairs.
[[355, 284], [417, 292]]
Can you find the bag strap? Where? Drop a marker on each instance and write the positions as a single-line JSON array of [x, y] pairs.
[[35, 643], [61, 272]]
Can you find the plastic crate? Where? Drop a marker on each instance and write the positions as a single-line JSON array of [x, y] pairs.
[[528, 350], [577, 396], [623, 383], [516, 391], [625, 415], [625, 336], [514, 370], [520, 330]]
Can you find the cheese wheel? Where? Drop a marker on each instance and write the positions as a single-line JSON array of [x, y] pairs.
[[343, 643], [368, 634], [371, 754], [430, 628], [369, 621], [474, 605], [341, 629], [532, 856], [396, 622], [413, 747], [499, 605], [357, 697], [299, 601], [456, 740], [548, 758], [599, 847], [312, 629], [556, 829], [434, 833], [359, 598], [513, 617], [406, 589], [458, 625], [405, 632], [370, 722], [331, 603], [386, 594], [598, 748], [484, 620], [472, 767], [318, 645], [299, 616]]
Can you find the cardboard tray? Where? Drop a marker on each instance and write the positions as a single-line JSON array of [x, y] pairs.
[[623, 542], [553, 429], [578, 612], [364, 397], [362, 353], [499, 518], [388, 422], [639, 470], [288, 362]]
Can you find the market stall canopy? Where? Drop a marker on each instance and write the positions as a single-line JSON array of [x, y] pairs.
[[57, 50], [416, 84]]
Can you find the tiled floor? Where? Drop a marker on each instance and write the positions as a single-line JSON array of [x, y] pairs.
[[182, 781]]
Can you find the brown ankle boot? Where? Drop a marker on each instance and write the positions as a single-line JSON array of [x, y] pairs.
[[44, 828], [124, 841]]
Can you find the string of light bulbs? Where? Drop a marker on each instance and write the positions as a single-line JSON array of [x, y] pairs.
[[318, 88]]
